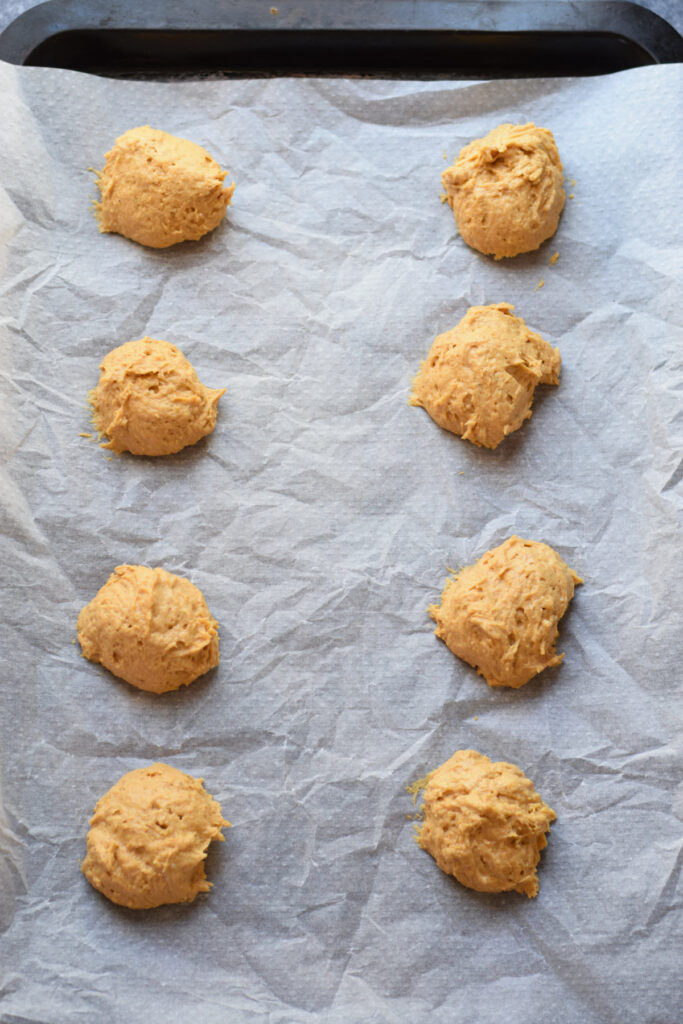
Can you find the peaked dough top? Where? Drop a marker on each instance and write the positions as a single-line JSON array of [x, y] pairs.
[[149, 400], [149, 836], [158, 189], [485, 823], [478, 379], [500, 615], [151, 628], [506, 190]]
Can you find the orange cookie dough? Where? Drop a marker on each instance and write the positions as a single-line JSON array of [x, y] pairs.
[[149, 836], [478, 380], [158, 189], [149, 400], [151, 628], [500, 615], [485, 824], [506, 190]]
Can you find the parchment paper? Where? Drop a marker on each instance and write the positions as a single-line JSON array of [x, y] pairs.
[[319, 520]]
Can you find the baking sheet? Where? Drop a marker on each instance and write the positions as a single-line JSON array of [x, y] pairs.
[[319, 520]]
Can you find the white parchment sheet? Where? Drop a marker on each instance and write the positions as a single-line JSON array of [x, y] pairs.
[[319, 520]]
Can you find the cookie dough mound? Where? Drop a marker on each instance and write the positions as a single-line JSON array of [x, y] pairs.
[[149, 836], [506, 190], [485, 824], [149, 400], [151, 628], [478, 380], [158, 189], [500, 615]]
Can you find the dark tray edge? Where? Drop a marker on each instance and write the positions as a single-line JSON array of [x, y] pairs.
[[615, 19]]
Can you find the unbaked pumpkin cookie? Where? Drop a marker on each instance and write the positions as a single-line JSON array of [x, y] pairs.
[[158, 189], [485, 824], [506, 190], [150, 401], [501, 614], [478, 379], [151, 628], [149, 837]]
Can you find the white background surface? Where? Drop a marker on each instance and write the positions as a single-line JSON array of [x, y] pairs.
[[319, 519]]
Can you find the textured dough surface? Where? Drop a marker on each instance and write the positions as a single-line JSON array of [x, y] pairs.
[[500, 615], [151, 628], [506, 190], [158, 189], [149, 400], [485, 824], [149, 836], [478, 379]]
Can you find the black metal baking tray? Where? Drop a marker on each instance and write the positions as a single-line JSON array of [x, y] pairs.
[[396, 38]]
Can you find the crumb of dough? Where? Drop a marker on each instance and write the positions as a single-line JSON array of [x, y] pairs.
[[501, 614], [151, 628], [158, 189], [149, 837], [506, 190], [416, 787], [485, 824], [274, 10], [478, 379], [86, 435], [149, 400], [554, 258], [571, 195]]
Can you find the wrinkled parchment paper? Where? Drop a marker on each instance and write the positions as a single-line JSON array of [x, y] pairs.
[[319, 520]]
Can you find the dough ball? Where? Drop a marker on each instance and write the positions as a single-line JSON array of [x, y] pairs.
[[506, 190], [149, 836], [158, 189], [485, 824], [478, 380], [500, 615], [149, 400], [151, 628]]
